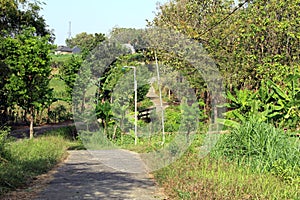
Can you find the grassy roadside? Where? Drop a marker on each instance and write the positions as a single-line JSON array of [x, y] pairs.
[[243, 165], [212, 177], [193, 178], [25, 159]]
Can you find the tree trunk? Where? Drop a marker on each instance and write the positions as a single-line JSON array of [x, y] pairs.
[[188, 135], [215, 110], [25, 116], [31, 124], [83, 102], [115, 132], [48, 111]]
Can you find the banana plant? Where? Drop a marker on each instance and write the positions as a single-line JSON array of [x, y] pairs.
[[286, 107], [272, 103], [239, 104]]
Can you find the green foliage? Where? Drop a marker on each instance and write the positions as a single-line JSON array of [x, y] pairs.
[[28, 159], [145, 103], [240, 37], [189, 116], [17, 15], [27, 59], [117, 85], [3, 139], [95, 140], [142, 91], [260, 146], [59, 113], [131, 36], [86, 42], [70, 135], [145, 144], [60, 109], [59, 89], [172, 118], [286, 106], [103, 112], [194, 177], [116, 74], [255, 46], [58, 61], [69, 73], [271, 102]]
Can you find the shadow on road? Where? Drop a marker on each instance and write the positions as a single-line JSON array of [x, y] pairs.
[[83, 177]]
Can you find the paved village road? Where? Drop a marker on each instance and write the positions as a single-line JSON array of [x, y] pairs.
[[101, 174]]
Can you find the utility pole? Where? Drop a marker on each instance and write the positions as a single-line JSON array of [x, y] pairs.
[[161, 103]]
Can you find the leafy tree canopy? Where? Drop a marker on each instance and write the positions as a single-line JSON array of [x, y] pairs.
[[27, 61], [87, 42], [249, 42], [15, 15]]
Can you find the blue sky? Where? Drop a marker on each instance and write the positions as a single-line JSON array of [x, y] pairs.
[[96, 16]]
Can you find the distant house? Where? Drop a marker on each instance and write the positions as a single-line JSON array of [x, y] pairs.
[[76, 50], [67, 50]]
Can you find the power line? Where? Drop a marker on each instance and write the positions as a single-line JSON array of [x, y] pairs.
[[226, 17]]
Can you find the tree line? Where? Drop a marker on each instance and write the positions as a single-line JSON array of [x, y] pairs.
[[254, 45]]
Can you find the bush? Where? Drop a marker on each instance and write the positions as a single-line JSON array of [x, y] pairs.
[[172, 119], [262, 147], [146, 103], [68, 132]]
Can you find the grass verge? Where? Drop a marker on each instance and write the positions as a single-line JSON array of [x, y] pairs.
[[193, 178], [218, 177], [26, 159], [240, 167]]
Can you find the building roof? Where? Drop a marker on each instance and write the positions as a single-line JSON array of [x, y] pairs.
[[64, 49]]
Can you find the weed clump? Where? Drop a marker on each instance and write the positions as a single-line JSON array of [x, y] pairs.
[[263, 148]]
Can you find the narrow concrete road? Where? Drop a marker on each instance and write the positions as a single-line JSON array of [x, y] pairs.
[[103, 174]]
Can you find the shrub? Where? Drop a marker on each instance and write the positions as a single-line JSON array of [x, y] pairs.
[[146, 103], [172, 119]]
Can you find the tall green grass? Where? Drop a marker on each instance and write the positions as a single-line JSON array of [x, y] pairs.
[[193, 178], [3, 138], [263, 148], [254, 161]]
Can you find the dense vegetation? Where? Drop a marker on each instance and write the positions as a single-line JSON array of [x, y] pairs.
[[192, 177], [255, 48]]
